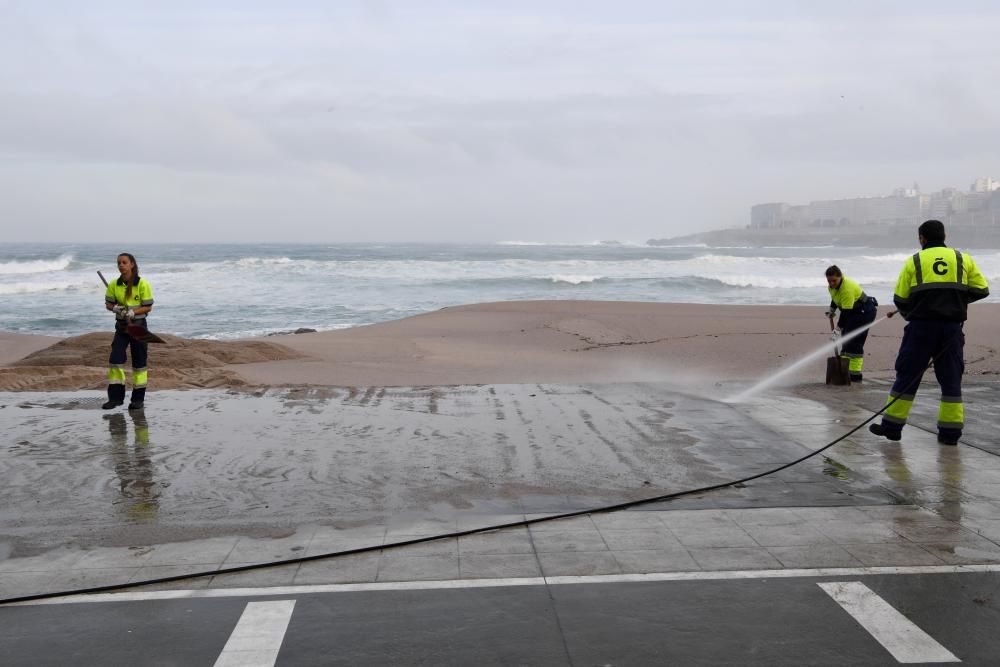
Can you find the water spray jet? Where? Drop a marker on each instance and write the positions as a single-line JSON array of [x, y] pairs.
[[823, 350]]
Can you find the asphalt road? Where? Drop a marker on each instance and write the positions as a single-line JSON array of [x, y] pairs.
[[754, 620]]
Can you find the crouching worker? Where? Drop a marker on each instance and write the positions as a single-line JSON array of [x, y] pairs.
[[857, 310], [130, 298]]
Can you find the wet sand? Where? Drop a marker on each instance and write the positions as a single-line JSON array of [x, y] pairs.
[[509, 342], [16, 346]]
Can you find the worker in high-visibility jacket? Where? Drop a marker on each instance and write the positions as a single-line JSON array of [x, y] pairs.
[[932, 294], [857, 310], [130, 298]]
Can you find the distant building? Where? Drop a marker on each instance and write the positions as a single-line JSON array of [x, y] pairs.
[[766, 216], [985, 184], [907, 205]]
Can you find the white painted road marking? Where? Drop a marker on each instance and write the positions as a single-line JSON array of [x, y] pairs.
[[257, 637], [715, 575], [899, 635]]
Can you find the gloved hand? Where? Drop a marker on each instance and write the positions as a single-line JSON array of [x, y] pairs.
[[829, 314], [119, 312], [835, 334], [130, 314]]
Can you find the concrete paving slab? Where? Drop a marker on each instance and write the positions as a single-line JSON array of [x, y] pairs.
[[154, 572], [577, 523], [628, 520], [789, 535], [508, 541], [283, 575], [499, 566], [259, 550], [894, 553], [713, 534], [55, 560], [578, 563], [849, 532], [444, 548], [814, 556], [966, 551], [734, 558], [326, 539], [92, 577], [418, 568], [211, 552], [571, 540], [359, 568], [770, 516], [26, 583], [472, 521], [635, 540], [655, 560], [104, 557]]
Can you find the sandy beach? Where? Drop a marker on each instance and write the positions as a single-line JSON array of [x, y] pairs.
[[494, 343]]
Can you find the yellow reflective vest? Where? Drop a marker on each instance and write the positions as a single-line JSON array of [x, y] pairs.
[[142, 294], [848, 296], [938, 283]]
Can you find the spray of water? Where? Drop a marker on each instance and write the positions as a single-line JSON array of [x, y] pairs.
[[823, 351]]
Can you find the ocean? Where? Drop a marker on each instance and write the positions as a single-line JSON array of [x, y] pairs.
[[236, 291]]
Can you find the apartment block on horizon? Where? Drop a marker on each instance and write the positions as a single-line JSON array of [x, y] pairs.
[[980, 205]]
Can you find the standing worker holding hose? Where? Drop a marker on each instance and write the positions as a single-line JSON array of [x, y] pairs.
[[857, 310], [933, 292]]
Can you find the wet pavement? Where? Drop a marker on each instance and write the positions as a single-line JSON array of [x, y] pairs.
[[204, 480], [205, 464]]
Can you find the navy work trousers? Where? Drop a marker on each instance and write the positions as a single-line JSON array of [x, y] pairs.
[[139, 351], [924, 340], [855, 319]]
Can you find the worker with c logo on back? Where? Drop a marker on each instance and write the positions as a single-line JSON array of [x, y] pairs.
[[932, 294]]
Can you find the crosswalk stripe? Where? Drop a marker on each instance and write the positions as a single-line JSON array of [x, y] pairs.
[[257, 637], [899, 635]]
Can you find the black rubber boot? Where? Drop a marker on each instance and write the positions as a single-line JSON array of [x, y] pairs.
[[881, 431], [138, 399], [949, 436], [116, 396]]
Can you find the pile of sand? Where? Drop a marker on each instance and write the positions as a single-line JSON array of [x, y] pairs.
[[81, 362]]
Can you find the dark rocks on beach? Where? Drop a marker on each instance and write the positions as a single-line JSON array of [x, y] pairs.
[[300, 330]]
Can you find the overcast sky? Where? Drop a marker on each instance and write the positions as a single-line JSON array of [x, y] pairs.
[[477, 121]]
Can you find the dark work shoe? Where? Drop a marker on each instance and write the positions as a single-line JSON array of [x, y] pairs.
[[856, 377], [136, 406], [110, 405], [942, 440], [881, 431]]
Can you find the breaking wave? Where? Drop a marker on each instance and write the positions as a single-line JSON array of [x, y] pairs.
[[17, 267]]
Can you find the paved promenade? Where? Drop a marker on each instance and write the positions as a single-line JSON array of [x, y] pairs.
[[208, 480]]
